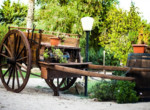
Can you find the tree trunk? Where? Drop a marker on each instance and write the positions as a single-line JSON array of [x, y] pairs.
[[30, 16]]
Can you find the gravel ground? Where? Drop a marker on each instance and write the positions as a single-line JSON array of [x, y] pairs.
[[38, 96]]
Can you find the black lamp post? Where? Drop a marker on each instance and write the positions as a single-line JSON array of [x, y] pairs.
[[87, 23]]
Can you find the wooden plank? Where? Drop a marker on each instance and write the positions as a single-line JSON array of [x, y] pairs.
[[59, 74], [60, 33], [24, 28], [44, 72], [63, 64], [115, 68], [88, 73], [74, 42], [60, 46]]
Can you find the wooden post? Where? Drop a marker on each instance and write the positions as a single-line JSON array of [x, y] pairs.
[[115, 68]]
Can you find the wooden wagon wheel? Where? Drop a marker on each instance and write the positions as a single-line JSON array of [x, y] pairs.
[[64, 83], [15, 56]]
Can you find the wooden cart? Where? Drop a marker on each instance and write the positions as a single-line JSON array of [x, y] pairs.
[[20, 51]]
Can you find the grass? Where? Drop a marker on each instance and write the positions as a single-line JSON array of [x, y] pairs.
[[31, 76], [91, 83]]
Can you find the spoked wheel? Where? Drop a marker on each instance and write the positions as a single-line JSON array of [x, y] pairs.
[[15, 57], [62, 83]]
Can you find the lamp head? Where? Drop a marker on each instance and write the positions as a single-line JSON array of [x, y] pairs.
[[87, 23]]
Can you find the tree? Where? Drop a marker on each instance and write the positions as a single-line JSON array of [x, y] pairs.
[[30, 16], [10, 13], [114, 29], [65, 15], [122, 32]]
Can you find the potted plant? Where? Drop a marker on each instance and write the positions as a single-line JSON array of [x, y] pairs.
[[55, 41], [62, 38], [55, 55], [59, 56], [46, 54], [44, 69], [141, 43]]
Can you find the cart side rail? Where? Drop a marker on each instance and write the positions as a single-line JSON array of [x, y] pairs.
[[70, 39], [88, 73]]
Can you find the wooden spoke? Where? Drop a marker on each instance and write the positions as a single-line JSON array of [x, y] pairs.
[[3, 65], [18, 46], [21, 66], [63, 85], [62, 82], [20, 72], [13, 82], [10, 74], [7, 71], [17, 77], [8, 50], [15, 41], [4, 55], [20, 52], [9, 44], [22, 58], [15, 50], [67, 80]]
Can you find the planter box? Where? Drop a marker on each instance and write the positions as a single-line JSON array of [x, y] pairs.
[[139, 48]]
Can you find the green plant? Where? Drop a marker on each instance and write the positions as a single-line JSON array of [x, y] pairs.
[[12, 12], [121, 91], [46, 54], [103, 90], [142, 37], [96, 57], [58, 55], [118, 73], [3, 31], [125, 93], [62, 37]]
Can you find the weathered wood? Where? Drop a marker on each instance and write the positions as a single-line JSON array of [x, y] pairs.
[[140, 60], [64, 64], [60, 46], [68, 34], [72, 43], [68, 41], [115, 68], [23, 28], [44, 73], [16, 52], [88, 73]]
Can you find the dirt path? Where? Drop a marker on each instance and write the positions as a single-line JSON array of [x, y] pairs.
[[38, 96]]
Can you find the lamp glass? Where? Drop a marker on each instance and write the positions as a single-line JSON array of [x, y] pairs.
[[87, 23]]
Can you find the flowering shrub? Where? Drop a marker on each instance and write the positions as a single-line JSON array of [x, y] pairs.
[[124, 92], [120, 91]]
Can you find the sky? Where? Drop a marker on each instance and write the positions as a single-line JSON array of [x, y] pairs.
[[143, 5]]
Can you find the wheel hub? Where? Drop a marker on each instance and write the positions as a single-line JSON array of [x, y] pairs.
[[11, 61]]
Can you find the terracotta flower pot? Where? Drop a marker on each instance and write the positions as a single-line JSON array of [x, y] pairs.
[[54, 41], [139, 48]]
